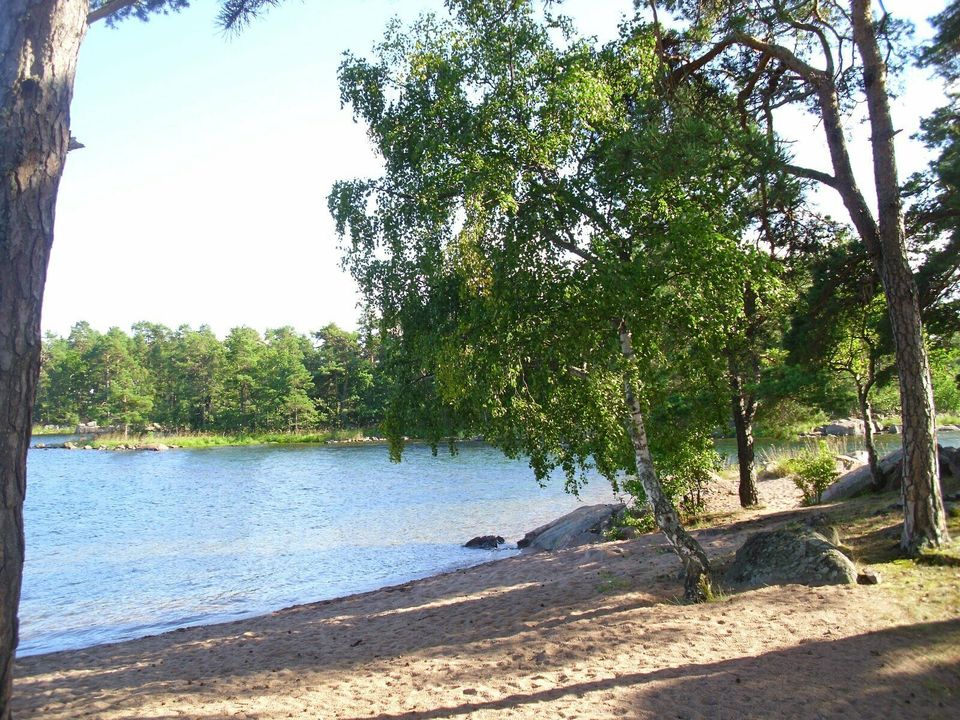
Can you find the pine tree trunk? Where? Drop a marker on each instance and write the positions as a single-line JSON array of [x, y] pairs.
[[924, 520], [743, 425], [695, 564], [39, 44]]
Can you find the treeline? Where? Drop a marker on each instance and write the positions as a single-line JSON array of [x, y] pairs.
[[188, 380]]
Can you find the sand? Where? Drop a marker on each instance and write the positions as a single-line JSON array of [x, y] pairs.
[[593, 632]]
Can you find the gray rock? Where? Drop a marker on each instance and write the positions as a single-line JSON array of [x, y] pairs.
[[892, 429], [484, 542], [950, 428], [868, 576], [583, 526], [949, 461], [859, 479], [785, 556], [848, 462], [848, 426]]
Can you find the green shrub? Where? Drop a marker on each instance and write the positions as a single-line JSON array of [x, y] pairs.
[[786, 418], [945, 376], [685, 469], [813, 471]]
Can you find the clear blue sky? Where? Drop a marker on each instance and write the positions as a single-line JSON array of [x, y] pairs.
[[200, 196]]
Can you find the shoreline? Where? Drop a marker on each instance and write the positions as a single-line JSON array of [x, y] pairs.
[[348, 438], [212, 621], [594, 631]]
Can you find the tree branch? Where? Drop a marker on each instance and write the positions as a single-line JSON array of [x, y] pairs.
[[811, 174], [784, 55], [573, 248], [107, 9]]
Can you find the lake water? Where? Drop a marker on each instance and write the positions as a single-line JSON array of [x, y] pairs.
[[127, 544]]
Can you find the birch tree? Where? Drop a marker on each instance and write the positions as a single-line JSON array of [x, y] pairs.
[[549, 234]]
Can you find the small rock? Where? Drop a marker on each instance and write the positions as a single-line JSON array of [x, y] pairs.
[[868, 576], [484, 542]]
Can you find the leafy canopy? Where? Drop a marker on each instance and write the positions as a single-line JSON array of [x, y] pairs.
[[537, 193]]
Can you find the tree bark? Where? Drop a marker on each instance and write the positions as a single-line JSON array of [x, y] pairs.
[[743, 425], [924, 519], [696, 567], [866, 414], [741, 360], [39, 44]]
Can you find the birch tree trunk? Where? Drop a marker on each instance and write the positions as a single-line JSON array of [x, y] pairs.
[[924, 520], [39, 45], [696, 567]]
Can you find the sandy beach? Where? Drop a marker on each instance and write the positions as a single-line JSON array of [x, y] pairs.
[[591, 632]]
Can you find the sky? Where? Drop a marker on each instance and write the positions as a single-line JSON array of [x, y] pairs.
[[200, 194]]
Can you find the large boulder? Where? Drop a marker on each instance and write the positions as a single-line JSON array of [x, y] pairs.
[[583, 526], [859, 479], [779, 557]]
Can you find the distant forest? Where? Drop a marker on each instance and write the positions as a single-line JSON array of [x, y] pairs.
[[188, 380]]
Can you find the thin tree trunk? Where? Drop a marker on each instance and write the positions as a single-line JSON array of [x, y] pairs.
[[39, 44], [743, 425], [866, 414], [924, 519], [695, 564]]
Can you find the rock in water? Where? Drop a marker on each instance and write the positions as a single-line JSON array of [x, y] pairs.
[[485, 542], [848, 426], [583, 526], [784, 556]]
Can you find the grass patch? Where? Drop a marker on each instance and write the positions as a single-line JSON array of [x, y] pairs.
[[927, 587], [610, 582], [776, 461], [42, 430], [939, 558]]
